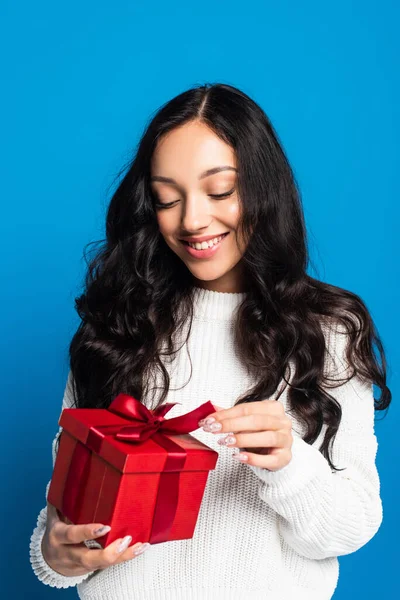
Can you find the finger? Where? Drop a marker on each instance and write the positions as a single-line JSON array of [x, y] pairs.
[[276, 459], [219, 408], [271, 407], [76, 534], [201, 422], [133, 551], [260, 439], [248, 423], [116, 552]]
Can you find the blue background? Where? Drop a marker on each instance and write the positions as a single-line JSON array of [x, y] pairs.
[[80, 81]]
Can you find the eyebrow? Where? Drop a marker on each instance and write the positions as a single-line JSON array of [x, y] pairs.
[[201, 176]]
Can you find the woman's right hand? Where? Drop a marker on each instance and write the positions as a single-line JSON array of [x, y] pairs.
[[64, 550]]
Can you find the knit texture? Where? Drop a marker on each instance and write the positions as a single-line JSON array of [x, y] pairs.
[[260, 534]]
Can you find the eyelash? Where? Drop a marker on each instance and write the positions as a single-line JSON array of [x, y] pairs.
[[217, 196]]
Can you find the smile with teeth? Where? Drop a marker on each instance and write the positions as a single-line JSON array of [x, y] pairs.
[[204, 245]]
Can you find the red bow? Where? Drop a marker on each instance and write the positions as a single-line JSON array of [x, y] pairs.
[[148, 422]]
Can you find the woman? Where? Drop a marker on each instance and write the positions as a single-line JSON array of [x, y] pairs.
[[287, 359]]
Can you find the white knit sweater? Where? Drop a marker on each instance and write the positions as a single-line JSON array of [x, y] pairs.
[[270, 535]]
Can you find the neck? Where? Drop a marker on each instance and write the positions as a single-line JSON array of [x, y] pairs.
[[213, 305]]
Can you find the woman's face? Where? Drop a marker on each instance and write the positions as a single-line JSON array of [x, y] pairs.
[[190, 167]]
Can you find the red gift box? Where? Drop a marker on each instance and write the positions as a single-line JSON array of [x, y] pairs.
[[132, 469]]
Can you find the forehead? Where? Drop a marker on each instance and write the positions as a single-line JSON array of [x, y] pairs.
[[189, 150]]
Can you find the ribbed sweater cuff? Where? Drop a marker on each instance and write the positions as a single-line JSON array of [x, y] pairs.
[[40, 567], [307, 463]]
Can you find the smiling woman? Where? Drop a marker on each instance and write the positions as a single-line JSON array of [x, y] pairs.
[[199, 292], [198, 202]]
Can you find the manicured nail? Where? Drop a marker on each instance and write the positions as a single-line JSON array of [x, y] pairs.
[[209, 420], [241, 457], [201, 423], [124, 543], [227, 440], [215, 426], [141, 548], [104, 529]]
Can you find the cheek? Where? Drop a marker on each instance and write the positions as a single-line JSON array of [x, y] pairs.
[[232, 214], [231, 217]]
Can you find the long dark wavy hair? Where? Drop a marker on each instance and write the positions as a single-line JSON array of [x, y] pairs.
[[138, 293]]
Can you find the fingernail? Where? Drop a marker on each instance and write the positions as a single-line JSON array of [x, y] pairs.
[[215, 426], [104, 529], [124, 543], [209, 420], [225, 441], [241, 457], [201, 423], [141, 548]]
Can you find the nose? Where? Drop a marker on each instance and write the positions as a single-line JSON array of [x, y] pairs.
[[195, 214]]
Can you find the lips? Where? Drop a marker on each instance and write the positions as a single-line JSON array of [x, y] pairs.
[[222, 236]]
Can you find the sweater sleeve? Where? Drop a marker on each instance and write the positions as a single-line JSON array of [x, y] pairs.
[[323, 513], [40, 567]]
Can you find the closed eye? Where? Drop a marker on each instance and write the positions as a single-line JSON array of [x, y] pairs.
[[218, 196], [225, 195]]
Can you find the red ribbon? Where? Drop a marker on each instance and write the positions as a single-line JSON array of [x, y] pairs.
[[146, 424]]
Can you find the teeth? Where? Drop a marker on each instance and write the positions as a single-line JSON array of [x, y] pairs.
[[204, 245]]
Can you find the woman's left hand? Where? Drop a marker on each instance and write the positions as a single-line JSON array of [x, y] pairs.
[[262, 426]]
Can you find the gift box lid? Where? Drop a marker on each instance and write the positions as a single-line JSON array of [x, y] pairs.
[[96, 428]]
